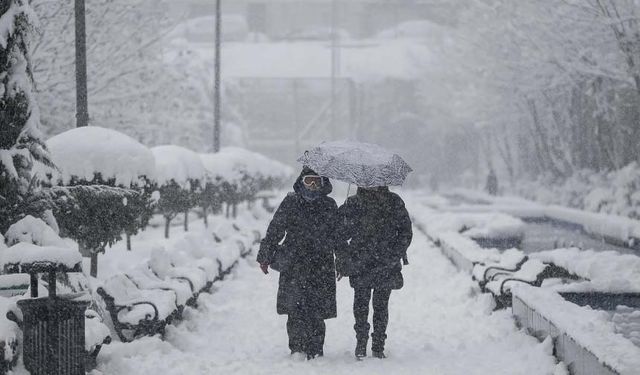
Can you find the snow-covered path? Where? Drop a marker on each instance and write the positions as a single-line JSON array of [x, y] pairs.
[[438, 325]]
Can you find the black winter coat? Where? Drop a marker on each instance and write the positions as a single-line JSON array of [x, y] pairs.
[[374, 235], [307, 285]]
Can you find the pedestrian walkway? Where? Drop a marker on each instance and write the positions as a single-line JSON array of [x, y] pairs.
[[438, 325]]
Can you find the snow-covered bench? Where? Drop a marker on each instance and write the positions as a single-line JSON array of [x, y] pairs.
[[183, 258], [533, 272], [145, 278], [137, 312], [511, 261], [96, 334], [226, 231], [160, 264]]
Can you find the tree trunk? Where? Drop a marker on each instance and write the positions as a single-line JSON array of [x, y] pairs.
[[94, 265], [228, 210], [167, 223], [128, 242], [235, 210], [204, 214], [186, 221]]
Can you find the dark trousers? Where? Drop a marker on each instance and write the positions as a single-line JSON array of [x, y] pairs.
[[306, 334], [380, 315]]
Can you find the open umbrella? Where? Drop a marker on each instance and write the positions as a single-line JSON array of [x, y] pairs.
[[361, 164]]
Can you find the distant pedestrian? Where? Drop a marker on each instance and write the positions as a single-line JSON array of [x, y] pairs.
[[492, 183], [374, 236], [299, 243]]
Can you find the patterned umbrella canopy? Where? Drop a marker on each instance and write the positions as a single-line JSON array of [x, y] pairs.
[[362, 164]]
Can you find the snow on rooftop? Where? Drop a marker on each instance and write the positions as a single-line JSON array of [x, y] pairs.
[[359, 60], [85, 151], [178, 164]]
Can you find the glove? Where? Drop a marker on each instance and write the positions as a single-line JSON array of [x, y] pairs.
[[264, 267]]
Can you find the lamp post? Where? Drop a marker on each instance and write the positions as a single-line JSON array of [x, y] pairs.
[[335, 64], [217, 96], [82, 106]]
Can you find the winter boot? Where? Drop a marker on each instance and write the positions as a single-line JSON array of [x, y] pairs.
[[361, 347], [311, 356], [377, 347]]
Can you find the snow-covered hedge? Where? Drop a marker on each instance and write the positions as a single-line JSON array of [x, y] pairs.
[[91, 151], [248, 171], [236, 174], [94, 155], [178, 164], [180, 175]]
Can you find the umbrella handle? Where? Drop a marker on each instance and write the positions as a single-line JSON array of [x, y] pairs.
[[348, 191]]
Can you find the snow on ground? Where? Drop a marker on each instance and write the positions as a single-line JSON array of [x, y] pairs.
[[438, 325]]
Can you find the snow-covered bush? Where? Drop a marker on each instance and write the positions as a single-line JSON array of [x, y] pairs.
[[34, 231], [21, 145], [180, 175], [109, 177]]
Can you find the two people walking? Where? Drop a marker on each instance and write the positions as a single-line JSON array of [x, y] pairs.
[[313, 243]]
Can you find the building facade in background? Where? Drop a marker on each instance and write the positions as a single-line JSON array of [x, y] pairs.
[[311, 19]]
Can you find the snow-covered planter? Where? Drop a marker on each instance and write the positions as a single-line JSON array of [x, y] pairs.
[[180, 175], [602, 271], [585, 338], [460, 234]]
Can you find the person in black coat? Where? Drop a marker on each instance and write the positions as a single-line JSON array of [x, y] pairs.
[[373, 239], [300, 244]]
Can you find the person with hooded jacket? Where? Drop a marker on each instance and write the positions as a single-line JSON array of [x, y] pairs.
[[373, 239], [299, 243]]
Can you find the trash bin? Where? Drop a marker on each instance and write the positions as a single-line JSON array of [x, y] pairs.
[[53, 330], [52, 326]]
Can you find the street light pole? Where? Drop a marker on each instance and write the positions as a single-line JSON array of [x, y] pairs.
[[335, 65], [217, 96], [82, 106]]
